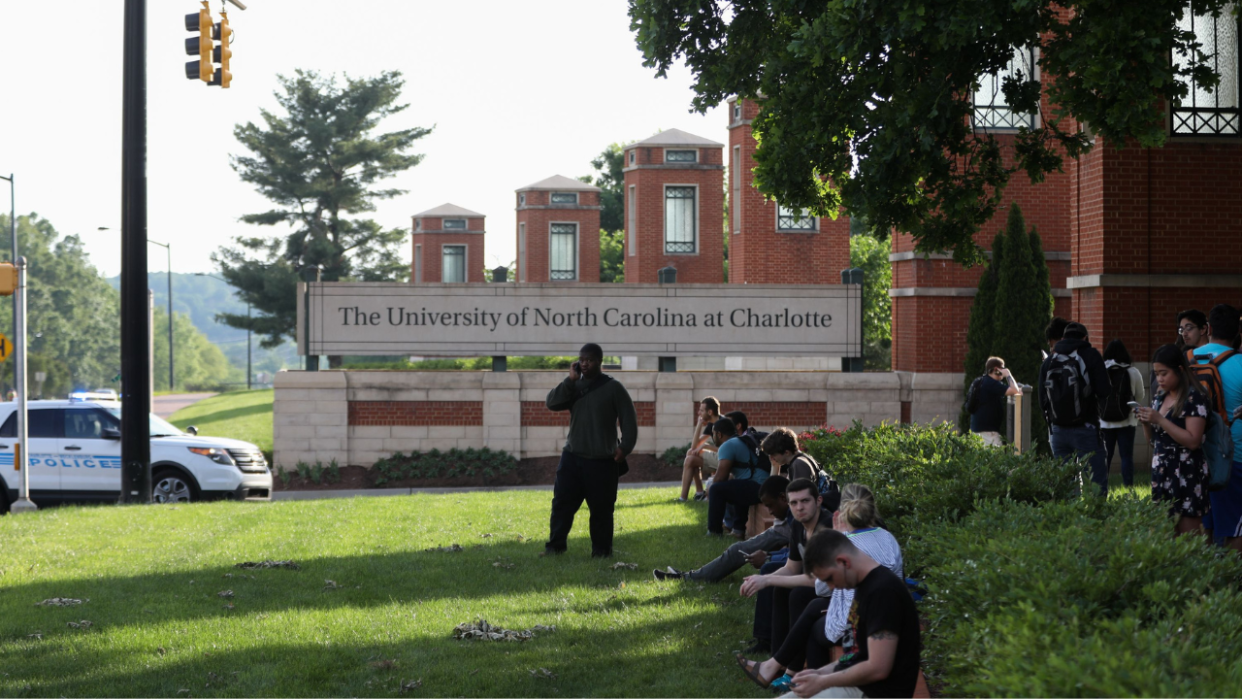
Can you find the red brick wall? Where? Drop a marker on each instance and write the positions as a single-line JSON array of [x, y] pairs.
[[538, 222], [476, 260], [536, 414], [705, 267], [379, 413], [758, 253]]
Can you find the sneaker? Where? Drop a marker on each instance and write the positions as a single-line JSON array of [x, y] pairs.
[[550, 552], [670, 574], [679, 500], [782, 683], [700, 496]]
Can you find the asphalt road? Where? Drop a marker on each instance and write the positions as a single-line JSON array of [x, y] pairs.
[[165, 406]]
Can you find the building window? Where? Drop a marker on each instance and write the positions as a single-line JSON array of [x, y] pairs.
[[563, 252], [565, 198], [521, 252], [521, 200], [454, 224], [735, 211], [679, 219], [418, 224], [631, 157], [453, 270], [794, 219], [991, 111], [737, 111], [631, 218], [1214, 113], [681, 156], [418, 264]]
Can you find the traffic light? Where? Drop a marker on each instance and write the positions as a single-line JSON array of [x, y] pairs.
[[222, 52], [199, 45], [8, 279]]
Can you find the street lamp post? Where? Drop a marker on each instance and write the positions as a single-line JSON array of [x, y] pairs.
[[249, 344]]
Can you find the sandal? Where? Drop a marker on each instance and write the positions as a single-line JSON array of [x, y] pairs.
[[751, 670]]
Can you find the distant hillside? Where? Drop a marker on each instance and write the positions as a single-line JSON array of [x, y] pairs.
[[201, 298]]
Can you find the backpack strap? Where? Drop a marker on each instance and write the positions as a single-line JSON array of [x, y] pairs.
[[1220, 358], [582, 392]]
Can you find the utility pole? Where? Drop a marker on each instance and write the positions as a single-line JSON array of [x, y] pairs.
[[135, 324]]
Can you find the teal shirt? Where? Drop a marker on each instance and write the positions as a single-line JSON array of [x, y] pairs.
[[1231, 378]]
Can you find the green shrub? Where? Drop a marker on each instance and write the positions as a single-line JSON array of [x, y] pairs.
[[1089, 597], [436, 464], [929, 473], [674, 457]]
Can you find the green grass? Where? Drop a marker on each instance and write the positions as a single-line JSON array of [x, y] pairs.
[[244, 415], [152, 575]]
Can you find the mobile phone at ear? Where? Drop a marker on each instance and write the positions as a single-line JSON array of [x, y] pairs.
[[577, 367]]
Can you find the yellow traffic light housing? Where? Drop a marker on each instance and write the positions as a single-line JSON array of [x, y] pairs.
[[223, 51], [8, 279], [200, 45]]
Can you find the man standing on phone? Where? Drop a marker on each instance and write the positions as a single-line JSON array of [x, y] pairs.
[[593, 458], [986, 401]]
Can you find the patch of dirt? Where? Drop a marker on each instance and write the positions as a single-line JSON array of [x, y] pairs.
[[540, 471]]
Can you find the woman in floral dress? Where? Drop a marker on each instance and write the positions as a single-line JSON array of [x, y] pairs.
[[1174, 425]]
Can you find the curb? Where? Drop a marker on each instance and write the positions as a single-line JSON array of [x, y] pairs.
[[392, 492]]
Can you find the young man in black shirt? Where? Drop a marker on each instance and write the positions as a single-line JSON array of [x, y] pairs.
[[885, 623], [987, 419]]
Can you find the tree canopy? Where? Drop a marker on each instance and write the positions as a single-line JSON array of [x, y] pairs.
[[320, 164], [868, 105], [610, 178]]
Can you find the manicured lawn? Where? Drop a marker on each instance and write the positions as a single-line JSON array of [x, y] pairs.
[[153, 575], [244, 415]]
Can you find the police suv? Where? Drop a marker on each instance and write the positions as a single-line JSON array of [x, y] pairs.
[[75, 456]]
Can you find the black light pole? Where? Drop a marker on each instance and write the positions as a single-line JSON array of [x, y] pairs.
[[168, 248], [135, 325]]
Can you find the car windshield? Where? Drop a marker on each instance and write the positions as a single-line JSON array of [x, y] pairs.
[[159, 428]]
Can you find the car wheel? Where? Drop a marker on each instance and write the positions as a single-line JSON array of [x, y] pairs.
[[4, 498], [170, 485]]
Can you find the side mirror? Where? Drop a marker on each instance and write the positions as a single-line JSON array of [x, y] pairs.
[[111, 433], [192, 430]]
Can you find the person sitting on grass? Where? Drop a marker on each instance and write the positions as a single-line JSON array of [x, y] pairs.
[[737, 481], [754, 550], [782, 593], [883, 620], [825, 621], [702, 452], [781, 446]]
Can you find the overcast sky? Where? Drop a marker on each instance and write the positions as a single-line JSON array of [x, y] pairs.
[[516, 91]]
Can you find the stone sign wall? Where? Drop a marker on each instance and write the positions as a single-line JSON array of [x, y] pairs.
[[690, 320]]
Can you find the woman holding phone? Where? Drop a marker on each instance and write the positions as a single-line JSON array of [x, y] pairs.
[[1174, 425]]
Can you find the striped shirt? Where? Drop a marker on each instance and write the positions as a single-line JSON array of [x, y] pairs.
[[883, 548]]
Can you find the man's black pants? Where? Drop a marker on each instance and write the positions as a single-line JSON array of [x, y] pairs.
[[578, 479]]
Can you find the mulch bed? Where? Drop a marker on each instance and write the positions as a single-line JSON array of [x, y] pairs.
[[541, 471]]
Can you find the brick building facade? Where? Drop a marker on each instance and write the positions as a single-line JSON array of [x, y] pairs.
[[674, 208], [764, 237], [558, 231], [449, 246]]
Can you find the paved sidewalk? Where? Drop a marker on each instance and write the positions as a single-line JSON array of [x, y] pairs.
[[165, 406], [387, 492]]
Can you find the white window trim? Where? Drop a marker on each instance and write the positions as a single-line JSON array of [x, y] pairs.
[[631, 218], [632, 157], [465, 225], [465, 270], [521, 199], [577, 250], [522, 251], [681, 150], [418, 224], [698, 211], [1035, 120], [736, 194], [418, 264], [576, 202], [813, 229]]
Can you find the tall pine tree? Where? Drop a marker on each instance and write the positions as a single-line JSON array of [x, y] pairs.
[[979, 334]]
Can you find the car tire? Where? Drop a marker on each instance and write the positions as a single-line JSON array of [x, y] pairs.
[[170, 485], [4, 498]]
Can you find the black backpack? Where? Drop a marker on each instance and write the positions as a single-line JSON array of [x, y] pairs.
[[1066, 389], [826, 486], [759, 460], [1116, 410], [972, 395]]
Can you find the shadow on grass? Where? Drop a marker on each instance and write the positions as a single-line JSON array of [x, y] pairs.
[[221, 415]]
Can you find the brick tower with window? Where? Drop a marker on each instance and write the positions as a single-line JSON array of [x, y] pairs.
[[448, 246], [558, 231], [770, 243], [674, 208]]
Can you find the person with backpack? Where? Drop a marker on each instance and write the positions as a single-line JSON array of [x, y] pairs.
[[1192, 329], [1071, 386], [737, 480], [788, 460], [1118, 423], [1224, 389], [985, 401], [1174, 424]]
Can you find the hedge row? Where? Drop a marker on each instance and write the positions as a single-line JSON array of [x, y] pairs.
[[1036, 592]]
